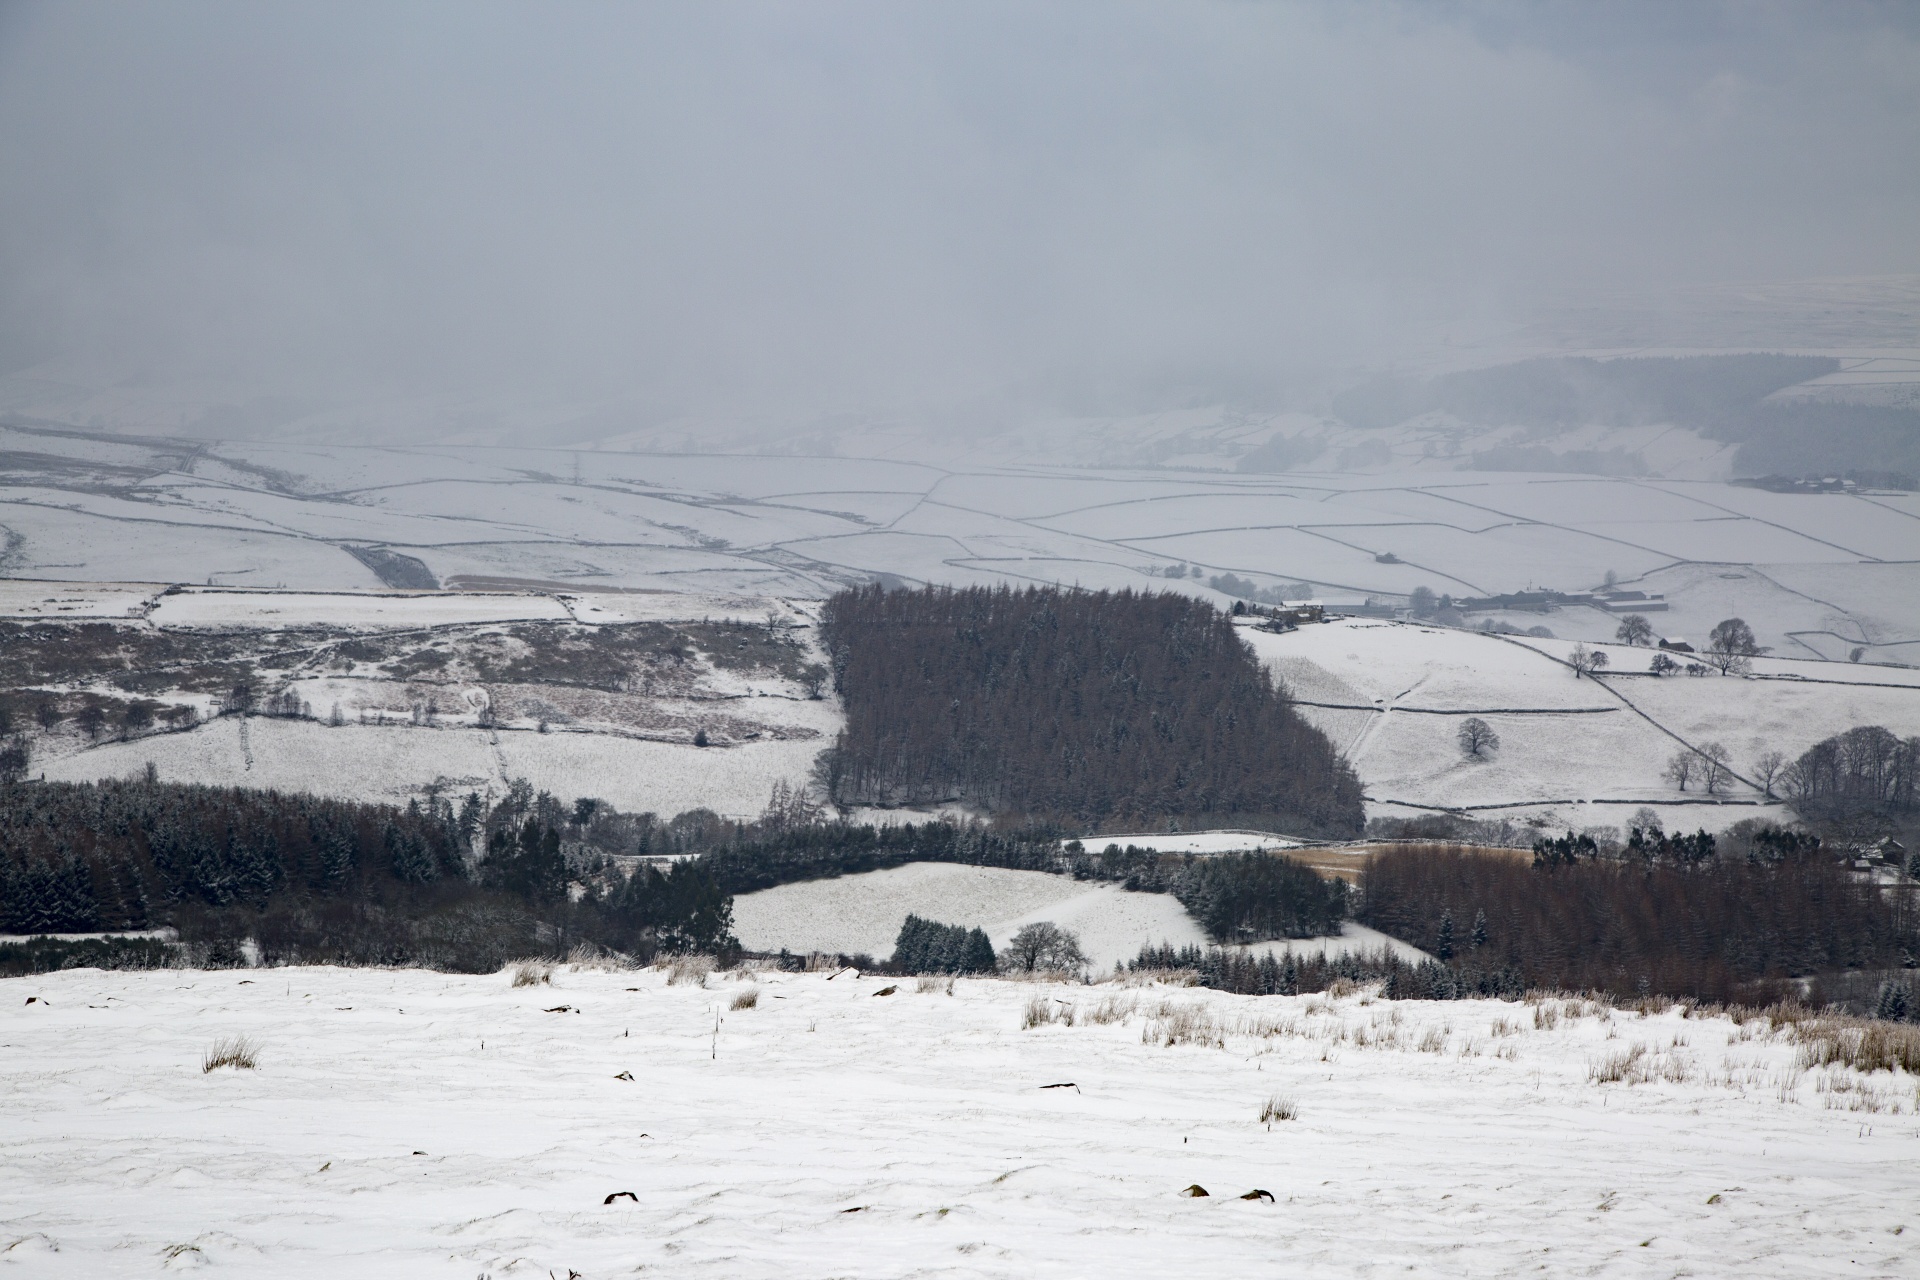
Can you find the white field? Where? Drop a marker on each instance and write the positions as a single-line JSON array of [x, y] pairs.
[[1566, 743], [28, 598], [1194, 841], [392, 763], [402, 1123], [864, 912], [214, 609]]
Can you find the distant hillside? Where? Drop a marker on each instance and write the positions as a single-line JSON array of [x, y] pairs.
[[1572, 391], [1722, 397], [1079, 707]]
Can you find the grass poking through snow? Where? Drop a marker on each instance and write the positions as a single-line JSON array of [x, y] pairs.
[[237, 1052]]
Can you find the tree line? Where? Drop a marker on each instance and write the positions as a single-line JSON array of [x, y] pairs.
[[1669, 916], [314, 880], [1235, 897], [1864, 770], [1076, 707]]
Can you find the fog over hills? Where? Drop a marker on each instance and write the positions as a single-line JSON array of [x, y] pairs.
[[373, 225]]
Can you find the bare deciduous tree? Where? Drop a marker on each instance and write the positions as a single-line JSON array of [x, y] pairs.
[[1681, 768], [1662, 664], [1730, 646], [1477, 738], [1634, 630], [1043, 947], [1586, 661], [1767, 768], [1713, 766]]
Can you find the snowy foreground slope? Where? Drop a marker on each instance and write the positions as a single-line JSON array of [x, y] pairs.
[[404, 1123]]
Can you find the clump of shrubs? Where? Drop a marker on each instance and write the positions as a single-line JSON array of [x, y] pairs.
[[927, 946]]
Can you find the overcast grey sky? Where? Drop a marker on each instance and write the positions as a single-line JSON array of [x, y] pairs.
[[874, 207]]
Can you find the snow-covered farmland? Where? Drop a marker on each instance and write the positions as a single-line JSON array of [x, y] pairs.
[[863, 913], [402, 1123], [394, 762], [27, 598], [349, 610], [1195, 841], [1577, 752], [1071, 502]]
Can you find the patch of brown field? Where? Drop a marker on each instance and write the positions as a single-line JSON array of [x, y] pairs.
[[1347, 861]]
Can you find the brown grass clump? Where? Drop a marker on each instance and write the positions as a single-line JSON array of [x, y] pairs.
[[532, 973], [691, 970], [1112, 1009], [1182, 1024], [748, 999], [1618, 1067], [1042, 1010], [1861, 1043], [1159, 978], [237, 1052], [586, 956], [1279, 1108]]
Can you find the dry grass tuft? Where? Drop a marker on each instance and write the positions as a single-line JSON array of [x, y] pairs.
[[238, 1052], [1158, 978], [1860, 1043], [587, 955], [1640, 1065], [1113, 1009], [932, 984], [532, 973], [691, 970], [1279, 1108], [1434, 1041], [748, 999], [1182, 1024], [1042, 1010], [1618, 1067]]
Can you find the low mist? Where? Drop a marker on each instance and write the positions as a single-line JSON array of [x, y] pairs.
[[745, 213]]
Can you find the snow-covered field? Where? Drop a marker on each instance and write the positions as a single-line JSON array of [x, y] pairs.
[[1578, 752], [349, 610], [403, 1123], [1194, 841], [864, 912], [393, 763], [27, 598]]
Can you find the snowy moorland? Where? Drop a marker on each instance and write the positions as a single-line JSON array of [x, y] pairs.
[[404, 1123]]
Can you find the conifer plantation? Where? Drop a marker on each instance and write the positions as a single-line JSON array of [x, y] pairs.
[[311, 880], [1090, 709]]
